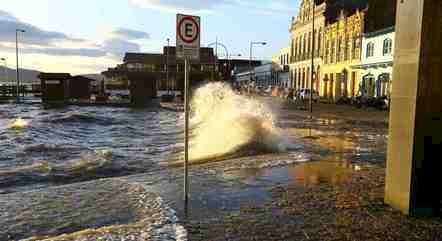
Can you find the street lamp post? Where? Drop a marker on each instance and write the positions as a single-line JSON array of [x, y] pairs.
[[167, 66], [313, 60], [16, 54], [251, 57]]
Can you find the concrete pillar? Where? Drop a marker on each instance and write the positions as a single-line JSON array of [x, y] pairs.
[[413, 181]]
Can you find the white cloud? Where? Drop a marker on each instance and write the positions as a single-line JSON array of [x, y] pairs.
[[190, 6], [5, 16], [274, 7], [60, 48], [55, 51], [118, 47], [33, 34], [128, 34]]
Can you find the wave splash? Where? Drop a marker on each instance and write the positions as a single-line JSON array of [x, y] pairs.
[[225, 123]]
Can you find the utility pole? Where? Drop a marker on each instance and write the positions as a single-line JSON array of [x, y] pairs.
[[167, 66], [313, 60], [16, 54], [186, 130], [251, 57], [250, 63]]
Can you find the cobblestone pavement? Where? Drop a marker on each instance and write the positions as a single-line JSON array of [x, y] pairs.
[[350, 210]]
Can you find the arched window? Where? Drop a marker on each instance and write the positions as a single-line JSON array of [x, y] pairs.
[[370, 49], [388, 43]]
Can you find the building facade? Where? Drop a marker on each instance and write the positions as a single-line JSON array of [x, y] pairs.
[[281, 61], [282, 57], [147, 73], [343, 45], [334, 44], [302, 35], [377, 63]]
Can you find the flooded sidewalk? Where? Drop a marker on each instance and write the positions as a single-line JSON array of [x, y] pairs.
[[326, 203], [336, 194]]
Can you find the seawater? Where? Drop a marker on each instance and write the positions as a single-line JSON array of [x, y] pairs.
[[53, 162]]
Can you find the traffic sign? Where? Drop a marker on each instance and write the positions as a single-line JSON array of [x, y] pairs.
[[188, 37]]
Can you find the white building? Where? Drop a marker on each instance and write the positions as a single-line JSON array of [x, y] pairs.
[[281, 61], [377, 63]]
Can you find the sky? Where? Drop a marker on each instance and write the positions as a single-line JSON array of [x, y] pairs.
[[89, 36]]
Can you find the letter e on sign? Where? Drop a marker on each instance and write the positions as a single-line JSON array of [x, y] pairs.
[[188, 37]]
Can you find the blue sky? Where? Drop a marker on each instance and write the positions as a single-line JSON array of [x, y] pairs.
[[87, 36]]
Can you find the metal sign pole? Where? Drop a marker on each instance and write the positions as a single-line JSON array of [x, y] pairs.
[[186, 132], [18, 71], [188, 48], [313, 61]]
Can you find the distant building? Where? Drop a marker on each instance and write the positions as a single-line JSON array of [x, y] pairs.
[[229, 67], [241, 71], [146, 73], [80, 87], [377, 63], [263, 76], [54, 87], [62, 87], [281, 60]]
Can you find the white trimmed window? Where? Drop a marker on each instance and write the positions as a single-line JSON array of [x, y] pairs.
[[388, 43], [370, 49]]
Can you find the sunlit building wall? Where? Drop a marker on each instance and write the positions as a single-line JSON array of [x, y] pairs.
[[302, 33], [377, 63], [342, 49], [281, 59]]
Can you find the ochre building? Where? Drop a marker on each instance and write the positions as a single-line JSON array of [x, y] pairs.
[[342, 49]]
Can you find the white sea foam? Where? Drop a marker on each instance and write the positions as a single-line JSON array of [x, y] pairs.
[[224, 122]]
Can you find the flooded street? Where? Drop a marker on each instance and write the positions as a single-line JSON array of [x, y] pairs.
[[51, 170]]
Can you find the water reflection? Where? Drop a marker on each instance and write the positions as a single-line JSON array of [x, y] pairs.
[[315, 173]]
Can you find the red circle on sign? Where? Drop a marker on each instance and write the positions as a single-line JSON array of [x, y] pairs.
[[196, 26]]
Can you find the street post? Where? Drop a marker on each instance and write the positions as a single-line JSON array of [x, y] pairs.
[[188, 41]]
